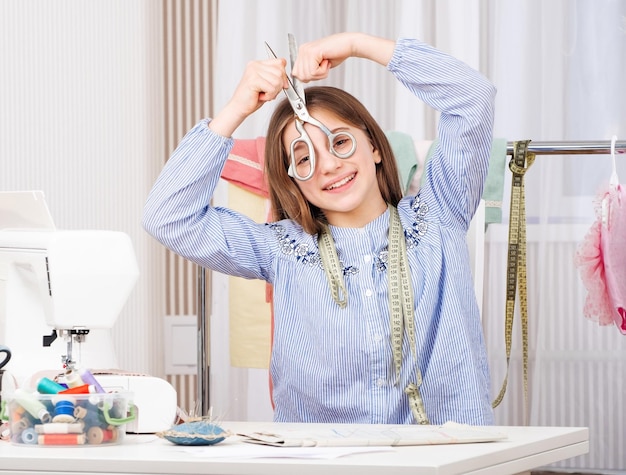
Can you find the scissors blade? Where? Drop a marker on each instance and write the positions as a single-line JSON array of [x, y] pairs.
[[293, 48], [293, 54], [296, 100], [270, 51]]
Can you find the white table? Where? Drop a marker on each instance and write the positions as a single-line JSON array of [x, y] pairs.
[[525, 448]]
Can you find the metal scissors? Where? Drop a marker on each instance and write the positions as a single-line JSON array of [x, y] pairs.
[[341, 144]]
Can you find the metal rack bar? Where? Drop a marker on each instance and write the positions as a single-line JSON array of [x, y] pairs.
[[571, 147], [202, 401]]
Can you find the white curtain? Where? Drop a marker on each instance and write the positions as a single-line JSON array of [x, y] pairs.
[[558, 67]]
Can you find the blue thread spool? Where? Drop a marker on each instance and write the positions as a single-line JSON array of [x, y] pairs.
[[29, 436], [63, 410]]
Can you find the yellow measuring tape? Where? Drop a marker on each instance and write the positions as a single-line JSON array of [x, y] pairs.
[[400, 299], [400, 291], [516, 262], [332, 268]]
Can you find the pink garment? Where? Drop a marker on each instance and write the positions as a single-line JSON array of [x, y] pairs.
[[601, 260], [244, 166]]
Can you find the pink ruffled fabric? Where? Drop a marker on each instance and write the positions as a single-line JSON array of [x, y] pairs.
[[601, 260]]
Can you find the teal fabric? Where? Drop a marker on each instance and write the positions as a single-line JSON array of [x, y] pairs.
[[403, 148]]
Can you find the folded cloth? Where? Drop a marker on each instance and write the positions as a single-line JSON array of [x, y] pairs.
[[493, 190], [403, 148], [244, 166]]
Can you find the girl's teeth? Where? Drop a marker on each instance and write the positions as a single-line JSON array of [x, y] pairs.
[[340, 183]]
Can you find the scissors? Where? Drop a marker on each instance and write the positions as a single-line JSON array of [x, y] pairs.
[[302, 158]]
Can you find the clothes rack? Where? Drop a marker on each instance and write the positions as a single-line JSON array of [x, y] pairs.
[[596, 147], [572, 147]]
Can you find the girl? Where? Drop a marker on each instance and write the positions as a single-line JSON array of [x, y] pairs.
[[375, 317]]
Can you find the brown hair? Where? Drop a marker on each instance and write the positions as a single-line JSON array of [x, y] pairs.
[[286, 199]]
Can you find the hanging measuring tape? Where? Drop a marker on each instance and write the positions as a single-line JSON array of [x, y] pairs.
[[516, 263], [401, 308]]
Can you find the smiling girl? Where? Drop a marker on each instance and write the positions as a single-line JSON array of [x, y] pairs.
[[375, 317]]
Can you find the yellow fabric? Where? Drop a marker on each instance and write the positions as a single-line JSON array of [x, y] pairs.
[[250, 314]]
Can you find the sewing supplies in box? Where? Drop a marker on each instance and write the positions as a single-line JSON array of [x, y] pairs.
[[77, 413]]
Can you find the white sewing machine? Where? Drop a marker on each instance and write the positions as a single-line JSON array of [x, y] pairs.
[[61, 289]]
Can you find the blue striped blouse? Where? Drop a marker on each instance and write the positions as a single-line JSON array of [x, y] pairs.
[[335, 365]]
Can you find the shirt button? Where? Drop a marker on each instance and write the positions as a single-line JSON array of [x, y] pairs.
[[367, 258], [378, 338], [380, 382], [368, 293]]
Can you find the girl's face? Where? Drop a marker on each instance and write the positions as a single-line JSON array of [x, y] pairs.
[[345, 189]]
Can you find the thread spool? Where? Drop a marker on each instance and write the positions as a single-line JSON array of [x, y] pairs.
[[63, 410], [32, 405], [98, 435], [80, 412], [82, 389], [59, 428], [19, 425], [61, 439], [29, 436], [88, 378], [73, 379], [47, 386]]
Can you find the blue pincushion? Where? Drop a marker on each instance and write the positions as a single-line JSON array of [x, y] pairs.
[[194, 433]]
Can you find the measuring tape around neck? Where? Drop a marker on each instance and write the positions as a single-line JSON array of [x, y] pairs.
[[516, 263], [400, 300], [332, 268]]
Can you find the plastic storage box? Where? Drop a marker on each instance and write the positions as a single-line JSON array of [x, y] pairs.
[[68, 419]]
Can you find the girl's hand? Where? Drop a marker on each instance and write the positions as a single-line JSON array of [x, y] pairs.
[[317, 58], [261, 82]]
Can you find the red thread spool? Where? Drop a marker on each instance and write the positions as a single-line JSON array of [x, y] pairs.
[[61, 439], [82, 389], [97, 435]]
